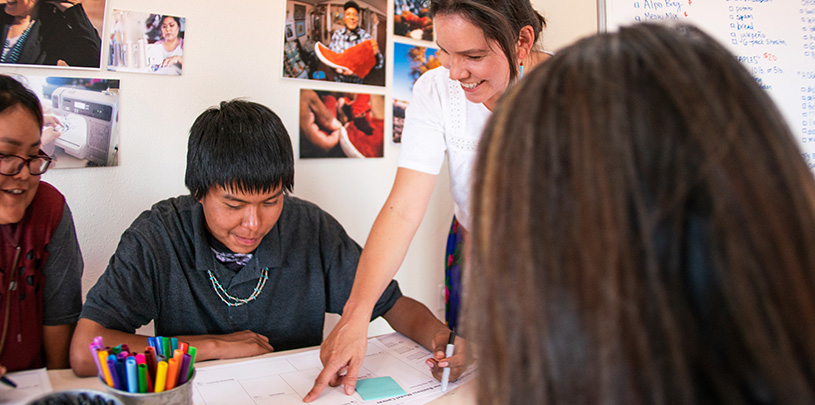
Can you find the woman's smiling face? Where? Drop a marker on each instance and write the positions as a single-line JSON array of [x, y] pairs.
[[19, 135], [478, 64]]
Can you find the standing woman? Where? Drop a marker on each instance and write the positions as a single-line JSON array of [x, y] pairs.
[[485, 46], [48, 32], [167, 54]]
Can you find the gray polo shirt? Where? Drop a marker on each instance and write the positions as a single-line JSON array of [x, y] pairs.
[[159, 273]]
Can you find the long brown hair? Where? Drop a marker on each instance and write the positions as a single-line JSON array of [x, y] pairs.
[[644, 232]]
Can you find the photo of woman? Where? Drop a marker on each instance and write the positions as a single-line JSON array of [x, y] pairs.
[[147, 43], [166, 55], [51, 33]]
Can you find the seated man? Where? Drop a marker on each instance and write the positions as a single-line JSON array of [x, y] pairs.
[[238, 268], [40, 260]]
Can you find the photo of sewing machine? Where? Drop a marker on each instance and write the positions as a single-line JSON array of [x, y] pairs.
[[89, 124]]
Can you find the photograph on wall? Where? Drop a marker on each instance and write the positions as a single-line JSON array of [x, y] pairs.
[[146, 43], [340, 124], [52, 33], [335, 41], [409, 62], [289, 32], [80, 119], [299, 12], [411, 18]]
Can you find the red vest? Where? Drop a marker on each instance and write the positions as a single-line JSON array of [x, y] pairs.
[[22, 257]]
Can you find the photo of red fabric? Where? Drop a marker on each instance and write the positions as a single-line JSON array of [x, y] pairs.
[[359, 59]]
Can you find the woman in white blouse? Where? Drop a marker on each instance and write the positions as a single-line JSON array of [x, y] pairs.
[[485, 46]]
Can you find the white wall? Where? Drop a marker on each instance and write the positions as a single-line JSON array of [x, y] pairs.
[[567, 20], [233, 49]]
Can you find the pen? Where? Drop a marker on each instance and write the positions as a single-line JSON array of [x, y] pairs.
[[7, 381], [445, 375]]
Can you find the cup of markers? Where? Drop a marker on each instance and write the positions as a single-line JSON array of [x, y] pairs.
[[161, 374]]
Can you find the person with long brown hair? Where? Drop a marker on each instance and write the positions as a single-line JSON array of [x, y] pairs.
[[643, 232]]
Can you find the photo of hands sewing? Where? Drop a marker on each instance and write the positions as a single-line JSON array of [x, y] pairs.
[[338, 124]]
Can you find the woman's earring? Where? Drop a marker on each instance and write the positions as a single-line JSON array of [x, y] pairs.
[[521, 70]]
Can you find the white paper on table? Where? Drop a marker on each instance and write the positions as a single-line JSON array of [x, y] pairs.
[[31, 384], [287, 379]]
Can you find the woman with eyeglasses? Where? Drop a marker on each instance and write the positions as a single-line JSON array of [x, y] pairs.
[[40, 261]]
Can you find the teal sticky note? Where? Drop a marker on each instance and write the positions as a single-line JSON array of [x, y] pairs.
[[378, 388]]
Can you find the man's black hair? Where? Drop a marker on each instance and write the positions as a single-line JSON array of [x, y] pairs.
[[350, 4], [241, 146]]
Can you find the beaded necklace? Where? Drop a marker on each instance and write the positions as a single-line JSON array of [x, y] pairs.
[[234, 301], [13, 53]]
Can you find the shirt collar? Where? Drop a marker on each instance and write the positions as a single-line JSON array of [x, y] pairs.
[[267, 254]]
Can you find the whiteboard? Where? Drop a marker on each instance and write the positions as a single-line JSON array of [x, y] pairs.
[[774, 39]]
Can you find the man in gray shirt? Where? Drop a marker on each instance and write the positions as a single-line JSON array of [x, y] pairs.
[[238, 268]]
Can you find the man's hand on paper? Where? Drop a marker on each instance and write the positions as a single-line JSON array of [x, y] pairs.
[[458, 362], [341, 354]]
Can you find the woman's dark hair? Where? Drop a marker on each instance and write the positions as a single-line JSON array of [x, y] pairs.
[[177, 22], [241, 146], [644, 232], [500, 20], [14, 93]]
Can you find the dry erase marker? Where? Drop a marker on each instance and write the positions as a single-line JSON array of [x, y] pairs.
[[114, 374], [192, 351], [445, 375], [5, 380], [103, 361], [161, 376], [142, 374], [172, 374], [183, 371], [132, 375]]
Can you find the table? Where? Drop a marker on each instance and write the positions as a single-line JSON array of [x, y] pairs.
[[66, 380]]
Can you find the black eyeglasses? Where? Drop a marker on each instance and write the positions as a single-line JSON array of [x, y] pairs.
[[11, 165]]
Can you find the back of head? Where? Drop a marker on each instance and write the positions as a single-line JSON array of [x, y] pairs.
[[500, 20], [14, 93], [643, 231], [241, 146]]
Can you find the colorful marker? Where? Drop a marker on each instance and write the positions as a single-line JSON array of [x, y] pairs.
[[161, 376]]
